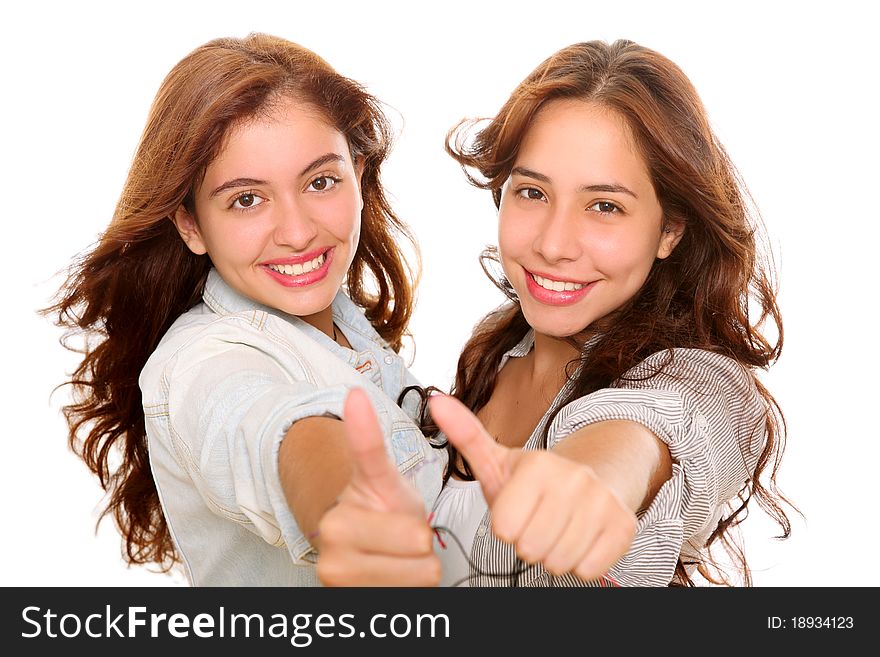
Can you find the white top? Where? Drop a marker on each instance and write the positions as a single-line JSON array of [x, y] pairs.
[[459, 508]]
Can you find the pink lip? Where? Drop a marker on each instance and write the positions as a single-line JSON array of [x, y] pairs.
[[552, 297], [302, 280], [297, 260]]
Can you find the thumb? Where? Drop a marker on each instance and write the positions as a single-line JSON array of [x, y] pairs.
[[485, 457], [373, 474]]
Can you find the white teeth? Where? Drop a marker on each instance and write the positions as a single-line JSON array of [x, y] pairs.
[[296, 270], [556, 286]]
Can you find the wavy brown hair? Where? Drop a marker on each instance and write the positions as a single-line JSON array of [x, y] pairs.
[[123, 294], [698, 297]]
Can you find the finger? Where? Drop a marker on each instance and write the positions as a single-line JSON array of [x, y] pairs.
[[546, 525], [378, 532], [566, 510], [610, 546], [587, 542], [378, 570], [516, 504], [484, 456], [372, 470], [572, 546]]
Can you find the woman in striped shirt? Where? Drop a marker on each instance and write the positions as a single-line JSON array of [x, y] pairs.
[[620, 428]]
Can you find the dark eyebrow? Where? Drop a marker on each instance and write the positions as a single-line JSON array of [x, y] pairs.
[[324, 159], [606, 187], [253, 182], [528, 173], [618, 189], [238, 182]]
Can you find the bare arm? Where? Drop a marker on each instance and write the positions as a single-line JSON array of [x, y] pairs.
[[314, 464], [705, 407], [572, 508], [625, 455], [622, 458], [377, 534], [352, 504]]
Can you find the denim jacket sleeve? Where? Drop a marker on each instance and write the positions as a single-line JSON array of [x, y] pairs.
[[232, 394]]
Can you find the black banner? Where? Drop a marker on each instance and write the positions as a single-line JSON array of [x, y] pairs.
[[399, 621]]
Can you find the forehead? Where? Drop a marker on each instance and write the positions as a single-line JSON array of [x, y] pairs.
[[571, 131], [286, 131], [282, 109]]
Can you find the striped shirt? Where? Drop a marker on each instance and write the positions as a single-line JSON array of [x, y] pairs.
[[705, 407]]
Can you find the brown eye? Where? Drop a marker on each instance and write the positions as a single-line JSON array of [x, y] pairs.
[[604, 207], [247, 201], [323, 183], [531, 193]]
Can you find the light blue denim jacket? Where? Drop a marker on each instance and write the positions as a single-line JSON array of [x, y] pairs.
[[219, 393]]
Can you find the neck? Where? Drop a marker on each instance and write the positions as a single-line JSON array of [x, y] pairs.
[[549, 358], [323, 321]]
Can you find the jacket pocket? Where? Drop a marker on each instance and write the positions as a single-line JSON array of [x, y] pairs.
[[408, 444]]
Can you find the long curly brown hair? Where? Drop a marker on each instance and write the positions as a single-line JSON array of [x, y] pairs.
[[123, 294], [703, 296]]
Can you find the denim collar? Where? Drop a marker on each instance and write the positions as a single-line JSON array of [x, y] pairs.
[[223, 299]]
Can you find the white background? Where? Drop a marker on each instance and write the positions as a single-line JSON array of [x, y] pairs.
[[789, 88]]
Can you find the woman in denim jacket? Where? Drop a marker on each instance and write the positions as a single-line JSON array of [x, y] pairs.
[[621, 430], [227, 311]]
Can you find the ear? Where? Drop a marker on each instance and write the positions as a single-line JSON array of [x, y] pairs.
[[189, 230], [669, 238]]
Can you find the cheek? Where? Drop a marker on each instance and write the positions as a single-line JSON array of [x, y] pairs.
[[342, 217], [513, 232], [355, 234], [624, 254], [228, 240]]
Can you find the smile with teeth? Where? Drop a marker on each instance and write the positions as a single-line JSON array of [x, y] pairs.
[[556, 286], [297, 270]]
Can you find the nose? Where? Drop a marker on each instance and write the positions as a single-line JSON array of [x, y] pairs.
[[294, 227], [561, 234]]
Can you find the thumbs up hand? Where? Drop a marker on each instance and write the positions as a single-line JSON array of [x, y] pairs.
[[553, 509], [377, 534]]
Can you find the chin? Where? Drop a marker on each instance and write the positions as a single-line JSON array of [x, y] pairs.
[[560, 333], [557, 329], [306, 307]]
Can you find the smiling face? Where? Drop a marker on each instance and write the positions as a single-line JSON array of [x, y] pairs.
[[279, 212], [579, 222]]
